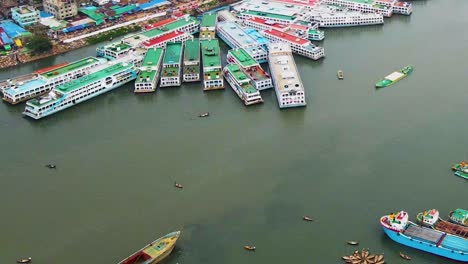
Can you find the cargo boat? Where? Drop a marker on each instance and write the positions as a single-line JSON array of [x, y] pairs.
[[258, 77], [154, 252], [241, 85], [191, 69], [108, 77], [212, 71], [459, 216], [401, 230], [431, 218], [461, 169], [148, 77], [394, 77], [170, 75], [287, 82], [23, 88]]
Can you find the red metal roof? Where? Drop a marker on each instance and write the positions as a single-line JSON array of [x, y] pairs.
[[160, 23], [51, 68], [163, 38], [286, 36], [298, 2], [402, 4]]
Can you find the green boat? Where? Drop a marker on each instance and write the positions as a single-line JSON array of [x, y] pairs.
[[461, 169], [394, 77]]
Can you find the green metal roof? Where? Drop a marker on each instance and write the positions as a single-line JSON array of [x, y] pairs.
[[240, 76], [269, 15], [192, 50], [173, 53], [70, 67], [109, 71], [153, 33], [460, 214], [210, 53], [209, 19], [243, 57], [151, 59], [178, 24], [363, 1]]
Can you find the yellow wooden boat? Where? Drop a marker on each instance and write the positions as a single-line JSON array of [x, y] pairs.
[[155, 251]]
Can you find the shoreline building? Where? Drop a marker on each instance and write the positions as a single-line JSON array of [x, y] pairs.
[[61, 9], [191, 69], [148, 77], [211, 59], [25, 15], [208, 26]]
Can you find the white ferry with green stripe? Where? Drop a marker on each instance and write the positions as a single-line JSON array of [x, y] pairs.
[[191, 69], [212, 71], [258, 77], [240, 83], [147, 79], [110, 76], [23, 88], [170, 75]]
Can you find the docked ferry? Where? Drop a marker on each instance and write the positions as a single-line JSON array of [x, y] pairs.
[[108, 77], [286, 79], [148, 77], [299, 30], [401, 230], [384, 7], [431, 218], [23, 88], [155, 251], [258, 77], [338, 16], [298, 45], [191, 69], [240, 83], [211, 59], [208, 25], [170, 75]]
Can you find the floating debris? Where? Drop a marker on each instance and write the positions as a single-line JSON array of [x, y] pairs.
[[364, 257], [250, 248], [353, 243], [307, 218], [28, 260], [404, 256]]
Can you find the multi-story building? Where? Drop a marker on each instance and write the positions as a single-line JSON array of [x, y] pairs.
[[61, 9], [25, 15]]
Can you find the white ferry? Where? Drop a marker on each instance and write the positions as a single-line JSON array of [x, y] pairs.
[[236, 36], [298, 45], [110, 76], [114, 50], [336, 16], [42, 81], [299, 30], [288, 85], [212, 71], [384, 7], [258, 77], [208, 25], [148, 77], [171, 65], [241, 85], [191, 69]]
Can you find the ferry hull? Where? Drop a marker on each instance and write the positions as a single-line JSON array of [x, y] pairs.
[[424, 246]]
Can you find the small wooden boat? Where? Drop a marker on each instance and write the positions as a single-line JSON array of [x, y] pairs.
[[154, 252], [340, 75], [307, 218], [353, 243], [404, 256], [204, 114], [51, 166], [249, 248], [28, 260], [178, 185]]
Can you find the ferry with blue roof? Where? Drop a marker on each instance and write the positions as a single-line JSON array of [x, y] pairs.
[[258, 77], [240, 83], [23, 88], [398, 227], [106, 78], [148, 77]]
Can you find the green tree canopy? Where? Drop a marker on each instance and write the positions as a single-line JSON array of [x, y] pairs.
[[39, 44]]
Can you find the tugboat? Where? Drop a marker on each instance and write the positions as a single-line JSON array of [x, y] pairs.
[[459, 216], [340, 75], [461, 169]]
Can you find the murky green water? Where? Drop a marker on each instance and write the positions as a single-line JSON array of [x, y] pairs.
[[250, 174]]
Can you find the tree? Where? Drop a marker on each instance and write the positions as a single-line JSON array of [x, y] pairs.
[[39, 44]]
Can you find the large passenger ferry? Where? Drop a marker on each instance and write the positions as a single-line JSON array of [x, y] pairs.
[[208, 25], [298, 45], [191, 70], [23, 88], [401, 230], [338, 16], [236, 36], [384, 7], [147, 79], [240, 83], [299, 30], [288, 85], [258, 77], [212, 72], [110, 76], [172, 62]]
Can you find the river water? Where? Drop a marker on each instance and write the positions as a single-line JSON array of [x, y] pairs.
[[249, 174]]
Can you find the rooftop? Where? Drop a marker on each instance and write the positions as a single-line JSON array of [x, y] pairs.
[[26, 86], [209, 19], [160, 23], [240, 76], [70, 67], [282, 63], [192, 50], [163, 38], [152, 57], [362, 1], [243, 57], [270, 7], [95, 76], [118, 46], [237, 32], [24, 10], [269, 15], [288, 37], [309, 3], [178, 23], [210, 53], [173, 53], [259, 38]]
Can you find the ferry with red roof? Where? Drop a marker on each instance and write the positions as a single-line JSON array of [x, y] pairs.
[[398, 227], [298, 45]]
